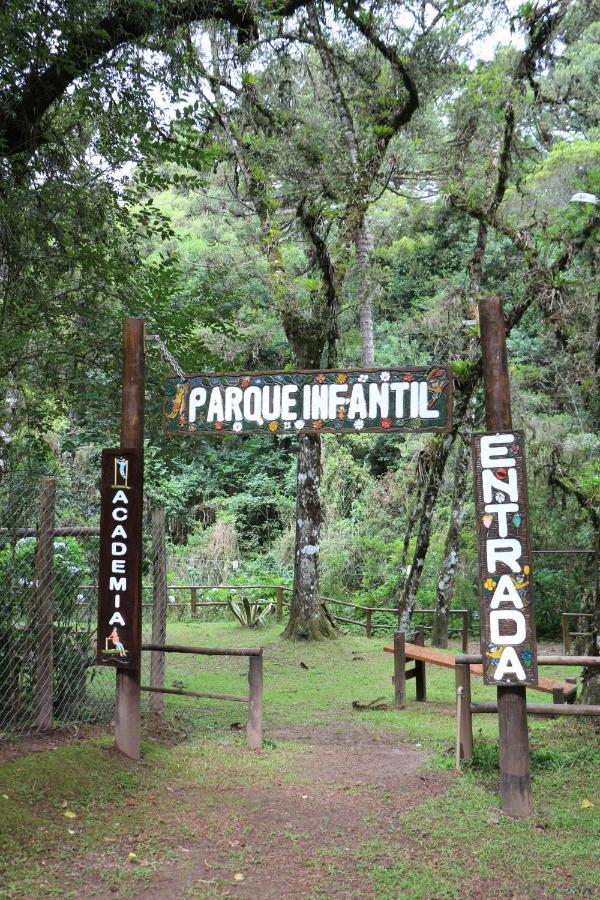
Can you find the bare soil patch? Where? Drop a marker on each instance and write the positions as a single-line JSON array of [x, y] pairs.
[[293, 838]]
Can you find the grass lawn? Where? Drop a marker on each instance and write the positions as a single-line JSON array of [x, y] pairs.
[[320, 812]]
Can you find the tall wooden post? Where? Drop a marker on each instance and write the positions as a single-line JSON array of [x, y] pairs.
[[254, 728], [515, 773], [44, 593], [159, 610], [127, 714], [399, 669]]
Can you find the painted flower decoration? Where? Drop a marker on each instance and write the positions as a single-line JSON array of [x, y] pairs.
[[244, 382], [273, 426], [359, 424], [287, 425], [218, 426], [489, 584], [320, 378], [363, 377], [342, 378], [317, 423], [384, 376], [237, 426], [193, 427], [299, 424], [408, 376], [341, 413], [386, 423]]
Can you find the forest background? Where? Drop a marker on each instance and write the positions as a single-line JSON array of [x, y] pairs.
[[308, 185]]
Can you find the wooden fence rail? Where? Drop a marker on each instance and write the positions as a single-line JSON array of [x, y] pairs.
[[567, 635], [254, 699], [465, 709]]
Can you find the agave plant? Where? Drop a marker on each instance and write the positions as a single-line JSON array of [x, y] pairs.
[[250, 613]]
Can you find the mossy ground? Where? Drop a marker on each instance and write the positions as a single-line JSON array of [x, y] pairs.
[[71, 815]]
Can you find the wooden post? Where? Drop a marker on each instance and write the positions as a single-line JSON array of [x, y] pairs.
[[279, 604], [254, 729], [420, 677], [515, 785], [465, 731], [44, 584], [566, 635], [465, 631], [193, 600], [399, 669], [369, 622], [159, 610], [127, 712]]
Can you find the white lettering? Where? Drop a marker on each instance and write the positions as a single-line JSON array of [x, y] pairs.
[[119, 531], [306, 402], [252, 411], [319, 401], [399, 389], [118, 566], [118, 548], [120, 497], [414, 399], [379, 401], [120, 514], [490, 483], [197, 399], [506, 592], [337, 397], [116, 619], [215, 406], [271, 410], [117, 584], [509, 664], [506, 551], [494, 451], [288, 402], [358, 405], [233, 404]]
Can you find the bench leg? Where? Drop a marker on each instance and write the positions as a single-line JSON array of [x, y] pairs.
[[420, 668]]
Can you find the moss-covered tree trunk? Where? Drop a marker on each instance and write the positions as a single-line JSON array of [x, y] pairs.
[[307, 617]]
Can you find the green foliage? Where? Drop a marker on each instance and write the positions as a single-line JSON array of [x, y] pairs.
[[250, 613]]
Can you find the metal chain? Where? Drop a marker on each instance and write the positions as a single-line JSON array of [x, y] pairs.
[[166, 354]]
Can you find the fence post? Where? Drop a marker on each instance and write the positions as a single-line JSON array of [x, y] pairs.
[[399, 669], [159, 610], [279, 604], [566, 635], [193, 600], [369, 622], [254, 729], [44, 585], [420, 681], [465, 632], [465, 731]]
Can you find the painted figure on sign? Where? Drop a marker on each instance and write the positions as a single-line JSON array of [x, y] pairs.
[[178, 403], [114, 637]]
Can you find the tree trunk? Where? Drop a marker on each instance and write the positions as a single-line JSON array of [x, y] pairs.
[[307, 618], [447, 573], [591, 676], [364, 246]]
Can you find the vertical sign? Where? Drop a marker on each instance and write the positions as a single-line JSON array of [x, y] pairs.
[[120, 574], [508, 644]]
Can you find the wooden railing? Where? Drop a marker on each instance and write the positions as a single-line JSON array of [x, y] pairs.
[[280, 590], [254, 728], [567, 635]]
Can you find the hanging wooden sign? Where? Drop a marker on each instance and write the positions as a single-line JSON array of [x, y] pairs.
[[508, 644], [120, 573], [333, 400]]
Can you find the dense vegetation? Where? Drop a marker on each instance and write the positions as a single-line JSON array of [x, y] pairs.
[[331, 184]]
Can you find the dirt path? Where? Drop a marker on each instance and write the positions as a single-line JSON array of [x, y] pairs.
[[293, 839]]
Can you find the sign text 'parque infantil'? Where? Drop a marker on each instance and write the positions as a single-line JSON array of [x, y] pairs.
[[407, 399], [508, 643], [119, 583]]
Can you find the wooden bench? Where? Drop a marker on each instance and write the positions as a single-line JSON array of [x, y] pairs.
[[561, 691]]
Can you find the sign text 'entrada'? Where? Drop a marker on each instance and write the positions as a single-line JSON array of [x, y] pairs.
[[355, 400], [508, 644]]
